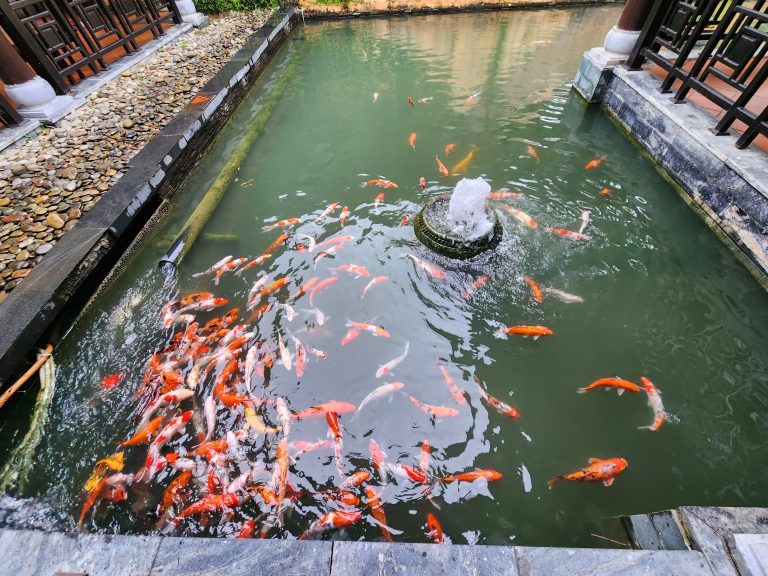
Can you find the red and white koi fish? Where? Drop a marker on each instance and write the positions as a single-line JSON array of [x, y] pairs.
[[285, 355], [338, 443], [412, 140], [584, 220], [144, 435], [284, 415], [501, 195], [380, 392], [378, 200], [344, 215], [301, 356], [535, 290], [319, 354], [366, 327], [214, 268], [404, 220], [332, 520], [174, 397], [204, 305], [434, 411], [501, 407], [332, 251], [112, 380], [564, 296], [228, 267], [654, 401], [533, 153], [489, 475], [372, 283], [356, 270], [357, 479], [434, 530], [425, 100], [432, 270], [423, 183], [312, 241], [380, 182], [592, 164], [335, 240], [327, 212], [385, 369], [301, 446], [166, 435], [248, 529], [568, 233], [526, 330], [456, 392], [281, 224], [441, 167], [320, 287], [597, 470], [521, 216], [377, 511], [618, 383], [253, 263], [321, 410], [290, 312], [379, 460], [473, 98], [479, 283]]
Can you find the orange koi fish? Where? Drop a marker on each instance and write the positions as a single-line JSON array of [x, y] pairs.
[[568, 233], [335, 427], [473, 98], [332, 520], [112, 380], [448, 149], [618, 383], [533, 153], [521, 216], [228, 267], [273, 287], [424, 458], [378, 200], [379, 460], [461, 166], [344, 215], [592, 164], [380, 182], [414, 474], [355, 269], [377, 511], [598, 470], [500, 195], [412, 140], [501, 407], [410, 101], [302, 446], [279, 240], [208, 504], [479, 283], [281, 471], [434, 411], [144, 435], [342, 496], [423, 183], [370, 328], [606, 193], [357, 479], [249, 527], [372, 283], [269, 497], [489, 475], [434, 530], [334, 241], [432, 270], [301, 356], [441, 167], [111, 488], [281, 224], [176, 492], [456, 392], [322, 409], [524, 330], [306, 286], [320, 287], [535, 290], [654, 401], [404, 220], [351, 335]]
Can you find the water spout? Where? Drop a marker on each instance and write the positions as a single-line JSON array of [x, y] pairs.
[[467, 214]]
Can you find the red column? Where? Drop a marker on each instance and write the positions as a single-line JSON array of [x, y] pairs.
[[13, 69], [634, 15]]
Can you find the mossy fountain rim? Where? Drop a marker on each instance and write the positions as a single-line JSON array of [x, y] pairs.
[[453, 245]]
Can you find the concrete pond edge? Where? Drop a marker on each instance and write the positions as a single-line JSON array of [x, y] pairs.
[[70, 273]]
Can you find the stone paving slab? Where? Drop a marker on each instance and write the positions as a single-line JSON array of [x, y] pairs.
[[602, 562], [352, 558], [201, 556], [28, 553], [753, 549]]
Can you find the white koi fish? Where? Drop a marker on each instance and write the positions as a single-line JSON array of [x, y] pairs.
[[378, 393], [564, 296], [210, 417], [213, 269], [385, 369], [285, 355], [584, 220]]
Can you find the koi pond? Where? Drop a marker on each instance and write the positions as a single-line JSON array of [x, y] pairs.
[[367, 388]]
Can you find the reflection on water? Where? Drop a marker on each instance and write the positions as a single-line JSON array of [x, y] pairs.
[[661, 298]]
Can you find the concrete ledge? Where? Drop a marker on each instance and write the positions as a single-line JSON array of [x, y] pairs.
[[727, 184], [75, 266]]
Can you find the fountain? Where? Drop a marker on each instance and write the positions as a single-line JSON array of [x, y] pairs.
[[461, 224]]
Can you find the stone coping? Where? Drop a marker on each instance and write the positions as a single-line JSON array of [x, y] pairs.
[[83, 257], [29, 553]]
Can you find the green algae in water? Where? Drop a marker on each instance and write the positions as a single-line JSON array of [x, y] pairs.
[[662, 297]]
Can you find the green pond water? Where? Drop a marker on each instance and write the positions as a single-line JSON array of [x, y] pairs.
[[662, 298]]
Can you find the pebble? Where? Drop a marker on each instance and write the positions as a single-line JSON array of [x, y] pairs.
[[49, 181]]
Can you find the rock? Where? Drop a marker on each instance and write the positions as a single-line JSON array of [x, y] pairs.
[[21, 256], [70, 173], [126, 74], [4, 201], [21, 273], [43, 249], [16, 217], [54, 221], [18, 169], [128, 123]]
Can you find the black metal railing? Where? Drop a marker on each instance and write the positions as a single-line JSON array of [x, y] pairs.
[[8, 114], [717, 48], [65, 40]]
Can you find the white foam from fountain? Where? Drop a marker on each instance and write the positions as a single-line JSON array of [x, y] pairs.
[[466, 211]]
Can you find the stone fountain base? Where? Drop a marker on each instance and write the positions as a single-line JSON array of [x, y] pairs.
[[431, 230]]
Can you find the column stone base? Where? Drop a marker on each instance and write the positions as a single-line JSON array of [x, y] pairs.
[[595, 72], [190, 14], [36, 99]]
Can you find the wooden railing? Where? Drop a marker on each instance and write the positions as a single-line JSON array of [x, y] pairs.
[[717, 48]]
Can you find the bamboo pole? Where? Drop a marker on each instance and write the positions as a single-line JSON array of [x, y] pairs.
[[42, 357], [207, 205]]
